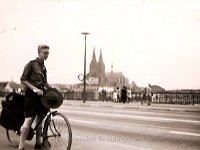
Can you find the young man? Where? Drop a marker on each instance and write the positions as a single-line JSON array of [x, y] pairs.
[[34, 78]]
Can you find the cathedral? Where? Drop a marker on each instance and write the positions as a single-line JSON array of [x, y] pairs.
[[102, 78]]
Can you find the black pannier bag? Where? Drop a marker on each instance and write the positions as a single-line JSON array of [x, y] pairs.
[[12, 114]]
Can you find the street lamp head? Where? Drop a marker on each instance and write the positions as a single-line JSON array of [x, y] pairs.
[[85, 33]]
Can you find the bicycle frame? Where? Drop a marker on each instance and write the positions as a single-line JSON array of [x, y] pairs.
[[47, 116], [51, 130], [47, 121]]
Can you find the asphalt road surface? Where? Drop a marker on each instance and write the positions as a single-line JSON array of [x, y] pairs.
[[107, 128], [119, 129]]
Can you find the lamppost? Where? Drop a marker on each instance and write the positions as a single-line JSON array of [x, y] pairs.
[[84, 76]]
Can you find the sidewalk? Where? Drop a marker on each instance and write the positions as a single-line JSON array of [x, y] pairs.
[[136, 105]]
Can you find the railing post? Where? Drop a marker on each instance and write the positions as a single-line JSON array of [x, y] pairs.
[[192, 98]]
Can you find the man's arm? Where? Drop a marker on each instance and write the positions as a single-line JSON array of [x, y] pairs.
[[47, 85], [32, 87]]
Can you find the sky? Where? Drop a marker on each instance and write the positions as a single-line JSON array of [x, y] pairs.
[[149, 41]]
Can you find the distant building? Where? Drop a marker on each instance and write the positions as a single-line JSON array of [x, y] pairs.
[[116, 79], [135, 88], [10, 87], [97, 69], [156, 89], [101, 78]]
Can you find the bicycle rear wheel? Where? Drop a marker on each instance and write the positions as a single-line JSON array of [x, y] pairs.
[[13, 137], [57, 132]]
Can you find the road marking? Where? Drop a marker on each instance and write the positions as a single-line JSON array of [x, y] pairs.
[[82, 121], [134, 112], [134, 117], [133, 147], [100, 110], [184, 133]]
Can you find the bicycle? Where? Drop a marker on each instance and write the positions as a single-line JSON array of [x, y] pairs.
[[56, 133]]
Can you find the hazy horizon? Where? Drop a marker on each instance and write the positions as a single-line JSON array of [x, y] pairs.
[[149, 41]]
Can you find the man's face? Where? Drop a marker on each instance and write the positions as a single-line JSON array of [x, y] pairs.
[[43, 54]]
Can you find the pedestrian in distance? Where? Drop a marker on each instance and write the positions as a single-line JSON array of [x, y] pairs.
[[34, 78], [143, 96], [103, 93], [129, 96], [124, 94], [115, 96], [118, 95], [149, 94]]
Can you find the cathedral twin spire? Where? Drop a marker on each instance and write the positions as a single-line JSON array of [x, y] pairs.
[[101, 57], [97, 69], [94, 57]]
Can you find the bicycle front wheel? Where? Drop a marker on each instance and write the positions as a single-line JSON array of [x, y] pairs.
[[57, 132]]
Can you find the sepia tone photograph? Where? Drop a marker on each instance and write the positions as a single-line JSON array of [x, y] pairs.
[[99, 74]]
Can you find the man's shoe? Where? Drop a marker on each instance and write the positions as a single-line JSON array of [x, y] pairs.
[[38, 146], [47, 145]]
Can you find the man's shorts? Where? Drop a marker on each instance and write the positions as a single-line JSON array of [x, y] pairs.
[[33, 104]]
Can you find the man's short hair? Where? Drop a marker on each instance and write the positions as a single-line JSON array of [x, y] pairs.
[[42, 46]]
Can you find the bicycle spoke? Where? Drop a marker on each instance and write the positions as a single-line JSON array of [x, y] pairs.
[[59, 133]]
